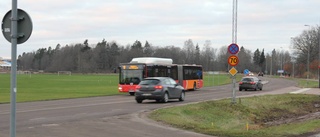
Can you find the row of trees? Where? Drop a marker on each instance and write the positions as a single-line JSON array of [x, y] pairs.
[[105, 56]]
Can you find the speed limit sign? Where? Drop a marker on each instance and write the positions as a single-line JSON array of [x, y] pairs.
[[233, 60]]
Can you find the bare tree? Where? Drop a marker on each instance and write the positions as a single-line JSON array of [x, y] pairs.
[[208, 56], [189, 49], [222, 59]]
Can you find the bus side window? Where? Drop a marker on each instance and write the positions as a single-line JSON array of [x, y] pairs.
[[174, 73], [150, 72]]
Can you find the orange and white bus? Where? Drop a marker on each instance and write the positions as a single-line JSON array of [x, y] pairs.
[[130, 74]]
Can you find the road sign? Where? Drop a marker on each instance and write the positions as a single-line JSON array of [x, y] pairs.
[[233, 71], [233, 60], [280, 71], [246, 71], [24, 26], [233, 48]]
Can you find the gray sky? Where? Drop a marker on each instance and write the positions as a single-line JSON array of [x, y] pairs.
[[262, 24]]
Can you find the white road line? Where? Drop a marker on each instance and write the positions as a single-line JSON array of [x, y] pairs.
[[300, 91], [77, 106]]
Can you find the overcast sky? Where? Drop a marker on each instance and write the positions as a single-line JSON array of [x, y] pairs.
[[262, 24]]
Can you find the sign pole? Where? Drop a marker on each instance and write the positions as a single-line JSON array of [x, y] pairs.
[[11, 26], [234, 40], [14, 37]]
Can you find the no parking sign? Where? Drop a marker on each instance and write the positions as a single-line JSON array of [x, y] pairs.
[[233, 48]]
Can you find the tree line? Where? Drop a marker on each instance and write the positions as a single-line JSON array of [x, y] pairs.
[[104, 57]]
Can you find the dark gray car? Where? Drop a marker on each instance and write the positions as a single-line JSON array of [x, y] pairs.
[[160, 89], [250, 83]]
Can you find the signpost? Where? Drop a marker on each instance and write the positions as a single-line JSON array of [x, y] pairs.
[[234, 48], [233, 61], [16, 27]]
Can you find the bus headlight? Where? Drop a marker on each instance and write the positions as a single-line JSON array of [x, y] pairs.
[[120, 88]]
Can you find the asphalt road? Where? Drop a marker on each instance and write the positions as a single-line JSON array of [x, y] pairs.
[[113, 116]]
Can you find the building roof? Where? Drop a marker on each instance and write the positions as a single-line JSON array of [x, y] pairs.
[[4, 63]]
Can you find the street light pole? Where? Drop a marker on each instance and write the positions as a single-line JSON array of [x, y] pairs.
[[281, 58], [292, 58], [271, 64], [319, 57], [308, 65]]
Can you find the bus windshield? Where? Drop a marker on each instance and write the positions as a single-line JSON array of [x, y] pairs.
[[130, 76]]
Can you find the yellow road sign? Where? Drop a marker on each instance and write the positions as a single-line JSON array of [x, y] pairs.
[[233, 71]]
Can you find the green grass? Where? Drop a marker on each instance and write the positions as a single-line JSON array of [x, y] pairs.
[[51, 86], [219, 79], [303, 82], [37, 87], [308, 83], [221, 118]]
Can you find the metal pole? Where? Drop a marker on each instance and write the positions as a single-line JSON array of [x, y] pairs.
[[291, 43], [308, 64], [293, 69], [308, 58], [271, 64], [266, 70], [233, 22], [319, 57], [281, 61], [14, 36], [234, 40], [236, 22], [234, 90]]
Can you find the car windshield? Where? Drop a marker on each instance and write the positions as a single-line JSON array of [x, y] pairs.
[[150, 82], [247, 79]]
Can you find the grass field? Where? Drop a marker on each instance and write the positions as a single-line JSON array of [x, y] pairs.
[[51, 86], [247, 118], [36, 87]]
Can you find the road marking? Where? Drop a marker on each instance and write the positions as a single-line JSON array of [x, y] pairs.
[[36, 119], [77, 106], [300, 91], [50, 125]]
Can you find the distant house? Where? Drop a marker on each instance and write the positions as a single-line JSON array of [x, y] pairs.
[[5, 65]]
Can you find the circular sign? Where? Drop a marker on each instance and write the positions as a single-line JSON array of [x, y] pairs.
[[233, 60], [233, 48], [24, 26], [246, 71]]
